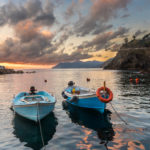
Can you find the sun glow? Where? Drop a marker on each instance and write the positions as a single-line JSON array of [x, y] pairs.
[[25, 66], [101, 55]]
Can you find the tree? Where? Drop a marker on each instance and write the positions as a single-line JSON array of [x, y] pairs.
[[134, 37], [126, 42]]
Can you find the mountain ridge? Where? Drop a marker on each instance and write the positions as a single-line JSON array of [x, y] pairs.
[[79, 64]]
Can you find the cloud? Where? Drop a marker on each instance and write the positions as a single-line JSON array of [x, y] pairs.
[[125, 16], [70, 10], [34, 42], [104, 10], [12, 13], [57, 58], [81, 1], [101, 29], [103, 40], [33, 45], [73, 9], [98, 55], [35, 53], [31, 42], [139, 32], [26, 31], [100, 13]]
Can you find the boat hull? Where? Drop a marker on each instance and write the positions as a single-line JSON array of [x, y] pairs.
[[91, 102], [34, 112]]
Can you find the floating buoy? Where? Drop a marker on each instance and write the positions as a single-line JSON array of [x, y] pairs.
[[137, 80], [87, 79], [130, 79]]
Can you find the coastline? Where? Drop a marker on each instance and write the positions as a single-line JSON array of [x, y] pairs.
[[10, 71]]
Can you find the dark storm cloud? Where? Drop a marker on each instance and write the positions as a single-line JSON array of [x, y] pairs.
[[35, 52], [12, 13], [45, 19], [31, 45], [101, 29], [16, 51], [103, 40], [64, 33], [30, 42], [62, 57], [100, 13]]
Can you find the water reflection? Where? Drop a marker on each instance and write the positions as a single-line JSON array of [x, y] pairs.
[[92, 120], [29, 132], [135, 96]]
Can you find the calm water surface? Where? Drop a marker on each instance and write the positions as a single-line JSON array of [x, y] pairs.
[[71, 128]]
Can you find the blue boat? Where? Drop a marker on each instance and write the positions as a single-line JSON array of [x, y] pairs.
[[33, 106], [83, 97]]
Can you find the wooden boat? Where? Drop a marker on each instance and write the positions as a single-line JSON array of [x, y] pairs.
[[34, 106], [87, 98]]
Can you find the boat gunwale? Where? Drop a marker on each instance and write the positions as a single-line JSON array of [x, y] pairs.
[[81, 95], [34, 104]]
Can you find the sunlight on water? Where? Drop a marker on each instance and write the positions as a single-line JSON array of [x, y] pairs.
[[74, 128]]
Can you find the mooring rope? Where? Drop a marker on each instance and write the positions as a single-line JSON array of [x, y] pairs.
[[40, 127], [118, 114]]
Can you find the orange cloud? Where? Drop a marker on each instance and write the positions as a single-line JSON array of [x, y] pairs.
[[47, 33], [101, 55], [26, 30]]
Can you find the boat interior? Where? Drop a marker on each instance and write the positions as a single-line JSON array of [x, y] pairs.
[[34, 98], [80, 90]]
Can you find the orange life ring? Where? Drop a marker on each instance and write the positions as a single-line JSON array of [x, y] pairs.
[[105, 100]]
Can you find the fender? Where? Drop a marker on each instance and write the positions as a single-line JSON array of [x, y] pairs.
[[74, 99], [64, 95]]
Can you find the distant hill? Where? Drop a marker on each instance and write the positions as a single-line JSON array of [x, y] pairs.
[[79, 64]]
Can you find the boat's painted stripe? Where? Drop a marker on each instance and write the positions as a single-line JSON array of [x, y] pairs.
[[31, 105]]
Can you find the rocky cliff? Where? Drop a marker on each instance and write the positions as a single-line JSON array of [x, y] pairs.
[[131, 59]]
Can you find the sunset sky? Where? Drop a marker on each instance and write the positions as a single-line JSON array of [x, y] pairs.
[[42, 33]]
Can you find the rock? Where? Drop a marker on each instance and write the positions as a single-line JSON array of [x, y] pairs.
[[131, 59], [9, 71]]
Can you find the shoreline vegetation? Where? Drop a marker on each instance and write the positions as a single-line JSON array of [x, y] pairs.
[[4, 70]]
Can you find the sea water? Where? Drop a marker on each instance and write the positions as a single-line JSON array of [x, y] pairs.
[[72, 128]]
